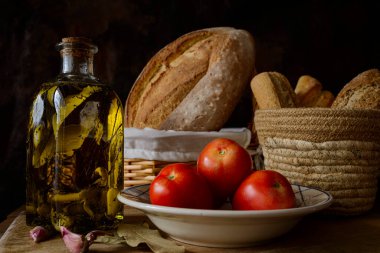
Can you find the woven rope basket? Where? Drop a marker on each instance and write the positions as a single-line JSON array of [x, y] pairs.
[[331, 149]]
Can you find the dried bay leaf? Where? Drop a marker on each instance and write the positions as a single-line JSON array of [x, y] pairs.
[[135, 234], [70, 103], [115, 138], [107, 239], [115, 119]]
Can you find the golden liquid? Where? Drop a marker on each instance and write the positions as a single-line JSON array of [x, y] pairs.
[[75, 157]]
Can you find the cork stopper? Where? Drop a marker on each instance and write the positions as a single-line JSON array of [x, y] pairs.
[[71, 43], [76, 40]]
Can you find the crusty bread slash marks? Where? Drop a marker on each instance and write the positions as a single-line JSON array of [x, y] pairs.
[[149, 102], [193, 83]]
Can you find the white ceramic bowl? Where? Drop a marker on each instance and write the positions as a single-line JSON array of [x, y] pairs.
[[225, 228]]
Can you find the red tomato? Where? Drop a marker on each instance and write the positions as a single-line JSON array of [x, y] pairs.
[[179, 185], [224, 164], [264, 190]]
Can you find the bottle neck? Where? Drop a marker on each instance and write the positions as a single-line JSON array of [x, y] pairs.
[[77, 62], [77, 55]]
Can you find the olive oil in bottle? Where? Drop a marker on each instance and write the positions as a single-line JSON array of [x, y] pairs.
[[75, 147]]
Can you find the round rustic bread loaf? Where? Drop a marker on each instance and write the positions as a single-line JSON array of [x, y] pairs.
[[194, 83], [362, 92]]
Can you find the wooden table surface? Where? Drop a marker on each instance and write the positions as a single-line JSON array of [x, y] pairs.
[[314, 234]]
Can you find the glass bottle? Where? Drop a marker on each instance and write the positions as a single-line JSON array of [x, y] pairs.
[[75, 147]]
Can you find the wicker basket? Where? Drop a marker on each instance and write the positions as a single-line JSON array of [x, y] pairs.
[[332, 149], [139, 171]]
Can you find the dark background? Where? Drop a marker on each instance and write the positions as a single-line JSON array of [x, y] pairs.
[[330, 40]]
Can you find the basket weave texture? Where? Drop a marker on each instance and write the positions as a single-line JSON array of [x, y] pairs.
[[140, 171], [331, 149]]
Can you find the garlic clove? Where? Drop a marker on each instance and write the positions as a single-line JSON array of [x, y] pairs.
[[39, 234], [76, 243]]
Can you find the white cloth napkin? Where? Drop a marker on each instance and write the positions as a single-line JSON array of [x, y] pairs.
[[178, 146]]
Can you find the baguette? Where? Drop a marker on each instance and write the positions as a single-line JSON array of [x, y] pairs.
[[272, 90], [362, 92], [325, 99], [193, 83], [308, 90]]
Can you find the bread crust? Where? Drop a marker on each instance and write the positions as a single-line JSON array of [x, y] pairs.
[[325, 99], [362, 92], [308, 90], [272, 90], [193, 83]]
